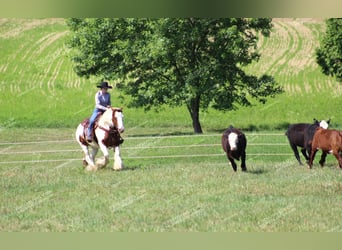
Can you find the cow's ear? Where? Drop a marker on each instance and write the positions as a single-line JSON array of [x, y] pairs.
[[328, 121]]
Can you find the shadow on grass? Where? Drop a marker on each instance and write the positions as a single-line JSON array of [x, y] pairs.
[[257, 171], [132, 168]]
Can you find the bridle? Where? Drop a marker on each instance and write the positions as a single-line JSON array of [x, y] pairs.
[[113, 132]]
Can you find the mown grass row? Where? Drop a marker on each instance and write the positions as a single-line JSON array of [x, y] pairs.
[[39, 88]]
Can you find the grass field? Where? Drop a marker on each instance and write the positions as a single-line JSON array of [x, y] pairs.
[[173, 180], [170, 183]]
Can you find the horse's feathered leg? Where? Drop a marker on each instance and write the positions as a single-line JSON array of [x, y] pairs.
[[93, 153], [101, 163], [117, 159], [87, 159]]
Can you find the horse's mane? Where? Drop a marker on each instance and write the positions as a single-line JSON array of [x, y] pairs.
[[106, 117]]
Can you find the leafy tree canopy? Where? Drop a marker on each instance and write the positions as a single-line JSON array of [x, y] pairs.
[[194, 62], [329, 54]]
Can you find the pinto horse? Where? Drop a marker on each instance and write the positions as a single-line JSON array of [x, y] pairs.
[[106, 135], [234, 143], [330, 142], [301, 134]]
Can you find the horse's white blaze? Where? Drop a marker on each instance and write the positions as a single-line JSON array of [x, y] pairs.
[[119, 118], [232, 140], [323, 124]]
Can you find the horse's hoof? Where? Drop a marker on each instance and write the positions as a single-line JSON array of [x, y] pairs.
[[117, 168], [91, 168], [84, 163]]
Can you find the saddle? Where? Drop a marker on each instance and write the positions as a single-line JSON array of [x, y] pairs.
[[85, 124]]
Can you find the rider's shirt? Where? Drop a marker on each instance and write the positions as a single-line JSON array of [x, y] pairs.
[[102, 100]]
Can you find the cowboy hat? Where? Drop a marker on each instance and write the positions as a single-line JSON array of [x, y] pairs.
[[104, 85]]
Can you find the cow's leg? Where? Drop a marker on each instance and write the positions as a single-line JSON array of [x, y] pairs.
[[243, 161], [312, 157], [232, 163], [306, 156], [322, 160], [296, 153], [338, 157]]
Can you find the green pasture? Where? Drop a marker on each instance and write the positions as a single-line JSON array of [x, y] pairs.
[[173, 180], [170, 183], [38, 87]]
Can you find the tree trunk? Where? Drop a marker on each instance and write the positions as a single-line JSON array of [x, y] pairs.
[[193, 108]]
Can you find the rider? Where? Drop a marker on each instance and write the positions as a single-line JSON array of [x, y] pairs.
[[102, 103]]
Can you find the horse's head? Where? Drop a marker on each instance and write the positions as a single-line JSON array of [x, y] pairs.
[[117, 119], [113, 117]]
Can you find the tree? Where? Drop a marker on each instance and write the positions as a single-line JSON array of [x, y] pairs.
[[194, 62], [329, 54]]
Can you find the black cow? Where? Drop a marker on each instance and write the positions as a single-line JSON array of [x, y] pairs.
[[301, 134], [234, 143]]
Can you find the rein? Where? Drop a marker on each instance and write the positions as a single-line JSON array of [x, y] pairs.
[[107, 130]]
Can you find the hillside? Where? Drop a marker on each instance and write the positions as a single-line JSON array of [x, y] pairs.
[[38, 87]]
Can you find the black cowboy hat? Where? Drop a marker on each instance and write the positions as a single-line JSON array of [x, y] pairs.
[[104, 85]]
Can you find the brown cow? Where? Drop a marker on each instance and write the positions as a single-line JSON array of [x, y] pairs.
[[330, 142]]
